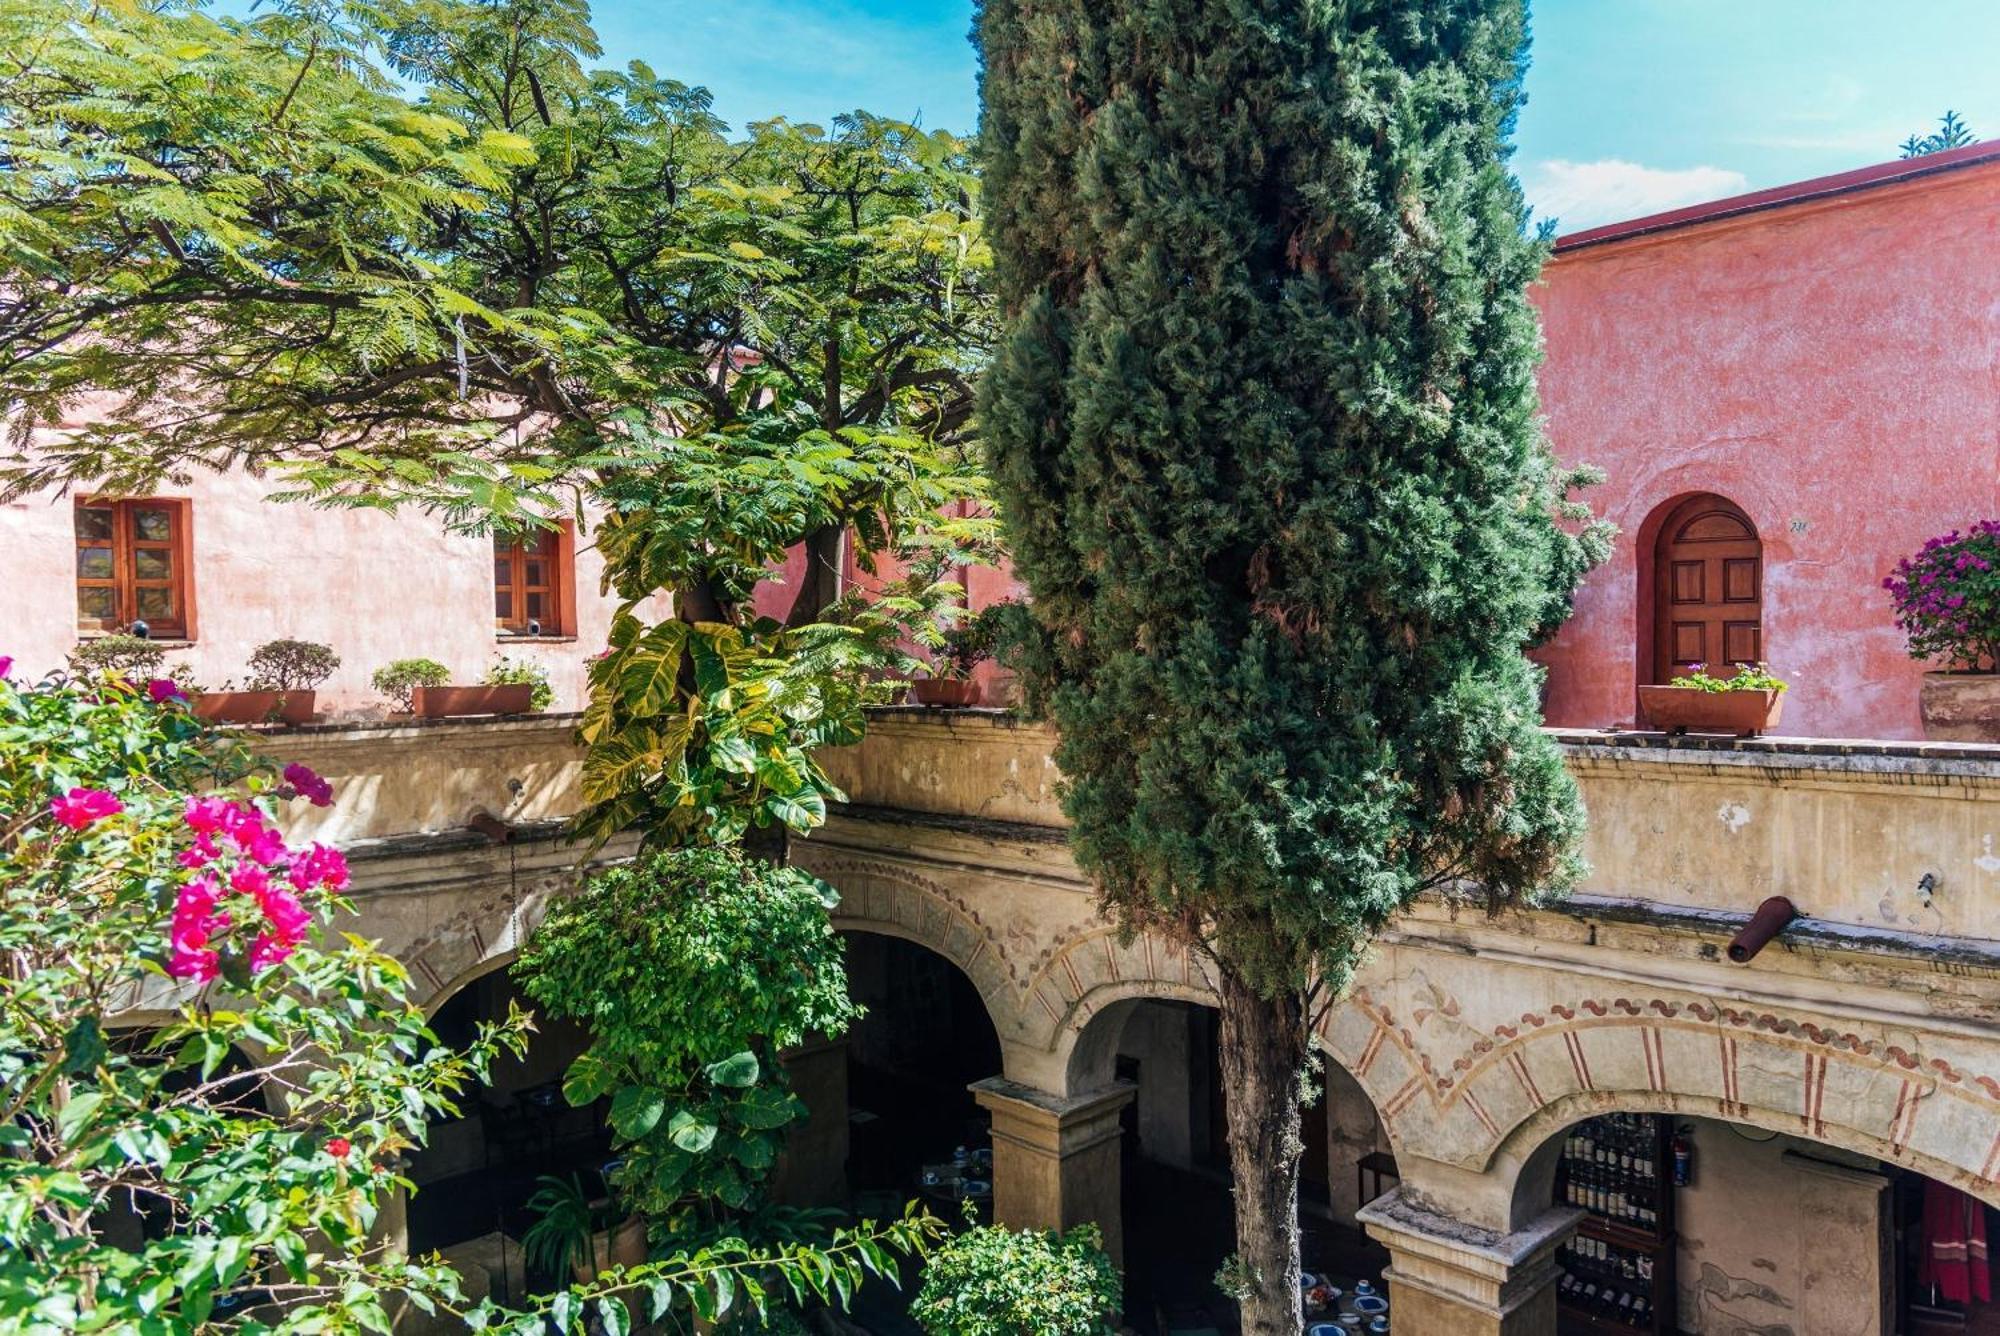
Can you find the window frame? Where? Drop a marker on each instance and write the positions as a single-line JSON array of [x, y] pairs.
[[556, 547], [124, 580]]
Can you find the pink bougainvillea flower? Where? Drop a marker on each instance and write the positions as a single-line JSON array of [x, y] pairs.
[[267, 951], [201, 966], [80, 807], [309, 785], [320, 866], [6, 664], [283, 911], [199, 854], [249, 879], [164, 689]]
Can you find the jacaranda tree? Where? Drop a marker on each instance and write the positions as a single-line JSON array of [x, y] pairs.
[[1264, 429]]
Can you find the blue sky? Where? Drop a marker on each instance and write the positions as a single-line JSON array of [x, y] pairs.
[[1634, 105]]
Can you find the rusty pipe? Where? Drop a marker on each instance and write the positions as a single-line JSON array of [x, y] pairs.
[[1770, 919]]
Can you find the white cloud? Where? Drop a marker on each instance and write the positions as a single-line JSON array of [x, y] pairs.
[[1611, 190]]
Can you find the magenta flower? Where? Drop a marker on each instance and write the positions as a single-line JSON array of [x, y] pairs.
[[164, 689], [201, 966], [6, 664], [249, 879], [320, 866], [267, 951], [309, 785], [80, 807], [287, 915], [207, 816]]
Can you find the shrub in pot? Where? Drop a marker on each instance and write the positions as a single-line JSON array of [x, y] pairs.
[[993, 1281], [956, 655], [284, 677], [1746, 704], [134, 658], [510, 672], [397, 682], [1947, 601]]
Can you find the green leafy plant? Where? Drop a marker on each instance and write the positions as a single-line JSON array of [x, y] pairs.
[[993, 1281], [291, 665], [397, 682], [566, 1218], [512, 672], [1951, 133], [693, 970], [1748, 677], [128, 656]]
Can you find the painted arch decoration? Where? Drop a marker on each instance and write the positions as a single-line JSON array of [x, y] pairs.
[[1521, 1081]]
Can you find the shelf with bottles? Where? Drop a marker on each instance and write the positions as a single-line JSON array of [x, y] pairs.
[[1618, 1269], [1620, 1168], [1614, 1285]]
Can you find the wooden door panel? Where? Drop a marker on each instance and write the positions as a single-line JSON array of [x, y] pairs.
[[1708, 589]]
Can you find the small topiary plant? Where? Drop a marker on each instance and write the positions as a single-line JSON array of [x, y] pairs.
[[509, 672], [128, 656], [398, 681], [291, 665], [992, 1281]]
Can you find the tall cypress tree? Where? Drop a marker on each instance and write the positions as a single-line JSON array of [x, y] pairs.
[[1264, 427]]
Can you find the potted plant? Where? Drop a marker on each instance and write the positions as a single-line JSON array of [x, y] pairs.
[[956, 654], [578, 1233], [509, 672], [284, 677], [1746, 704], [1947, 601], [399, 681]]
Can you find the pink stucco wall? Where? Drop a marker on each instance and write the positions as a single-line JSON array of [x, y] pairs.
[[374, 586], [1831, 367]]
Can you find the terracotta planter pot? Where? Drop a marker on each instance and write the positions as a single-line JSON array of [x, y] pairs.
[[255, 707], [1961, 707], [950, 692], [1686, 710], [454, 702]]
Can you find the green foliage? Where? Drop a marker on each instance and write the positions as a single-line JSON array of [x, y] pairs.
[[291, 665], [693, 970], [132, 657], [397, 682], [1748, 677], [992, 1281], [1264, 431], [565, 1218], [374, 292], [509, 672], [1951, 133], [239, 1191]]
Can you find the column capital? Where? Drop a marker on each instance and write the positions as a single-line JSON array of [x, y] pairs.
[[1493, 1281]]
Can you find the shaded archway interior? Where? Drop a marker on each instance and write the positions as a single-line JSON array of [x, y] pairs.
[[1699, 1223]]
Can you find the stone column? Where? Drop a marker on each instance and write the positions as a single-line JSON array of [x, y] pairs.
[[1056, 1157], [1447, 1276]]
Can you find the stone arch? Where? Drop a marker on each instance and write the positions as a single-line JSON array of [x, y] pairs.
[[1491, 1110], [491, 962]]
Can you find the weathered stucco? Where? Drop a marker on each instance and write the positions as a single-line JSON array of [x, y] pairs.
[[1829, 367]]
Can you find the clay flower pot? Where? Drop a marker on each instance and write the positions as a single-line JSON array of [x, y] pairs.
[[949, 692], [456, 702], [255, 707], [1686, 710], [1961, 707]]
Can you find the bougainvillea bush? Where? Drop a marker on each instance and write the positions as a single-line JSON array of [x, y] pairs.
[[202, 1095], [1947, 598], [202, 1091]]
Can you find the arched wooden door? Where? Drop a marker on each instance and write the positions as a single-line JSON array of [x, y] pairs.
[[1708, 600]]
